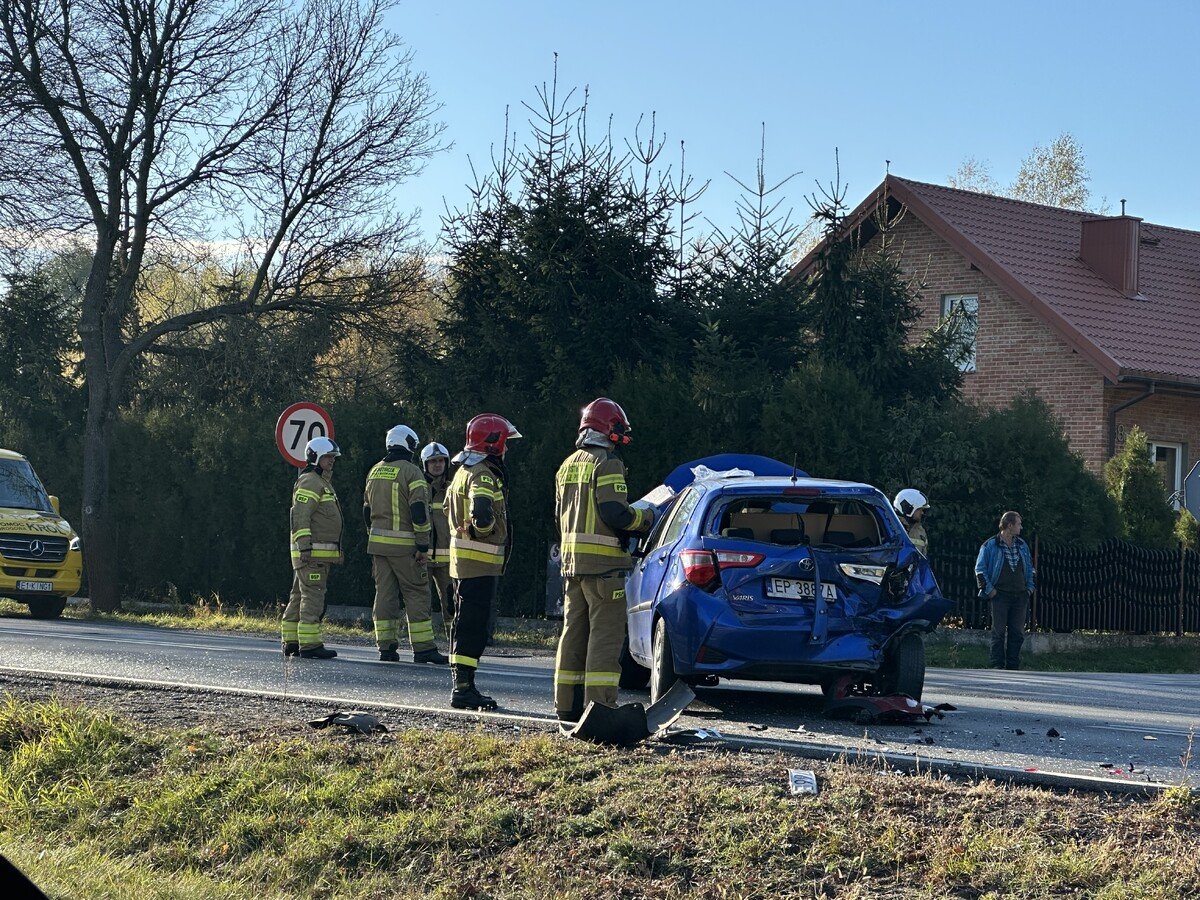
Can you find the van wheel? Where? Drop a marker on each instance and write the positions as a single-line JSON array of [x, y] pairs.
[[904, 671], [634, 677], [46, 607], [662, 673]]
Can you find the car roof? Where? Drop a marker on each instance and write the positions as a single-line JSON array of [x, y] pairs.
[[776, 482], [10, 454]]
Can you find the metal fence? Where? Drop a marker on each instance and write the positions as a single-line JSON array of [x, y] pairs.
[[1116, 586]]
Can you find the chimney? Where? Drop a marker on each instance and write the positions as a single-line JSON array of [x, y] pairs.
[[1110, 246]]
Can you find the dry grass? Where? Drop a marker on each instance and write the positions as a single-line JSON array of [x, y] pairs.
[[122, 811]]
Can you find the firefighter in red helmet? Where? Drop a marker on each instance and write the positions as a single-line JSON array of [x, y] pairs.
[[593, 511], [476, 507]]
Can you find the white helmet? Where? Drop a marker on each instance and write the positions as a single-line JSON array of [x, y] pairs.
[[318, 447], [434, 450], [403, 437], [908, 501]]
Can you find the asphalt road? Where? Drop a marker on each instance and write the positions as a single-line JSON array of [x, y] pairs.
[[1002, 718]]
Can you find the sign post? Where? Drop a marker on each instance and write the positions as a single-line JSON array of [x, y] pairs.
[[1191, 491], [299, 424]]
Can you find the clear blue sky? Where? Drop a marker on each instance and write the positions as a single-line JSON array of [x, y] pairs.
[[922, 84]]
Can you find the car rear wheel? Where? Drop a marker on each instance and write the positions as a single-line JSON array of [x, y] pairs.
[[634, 677], [904, 672], [662, 673], [46, 607]]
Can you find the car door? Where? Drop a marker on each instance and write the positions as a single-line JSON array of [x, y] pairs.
[[646, 579]]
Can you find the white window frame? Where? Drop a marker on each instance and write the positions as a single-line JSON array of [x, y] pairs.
[[1179, 473], [949, 301]]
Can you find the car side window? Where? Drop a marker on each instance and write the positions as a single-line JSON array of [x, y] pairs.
[[679, 517]]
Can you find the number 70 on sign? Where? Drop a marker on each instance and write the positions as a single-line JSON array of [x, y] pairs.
[[297, 425]]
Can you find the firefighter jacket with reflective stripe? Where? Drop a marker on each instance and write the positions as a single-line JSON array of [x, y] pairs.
[[316, 520], [478, 519], [437, 514], [588, 479], [394, 488]]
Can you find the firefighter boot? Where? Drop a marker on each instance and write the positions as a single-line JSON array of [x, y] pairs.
[[389, 656], [465, 695], [291, 648], [432, 655], [318, 652]]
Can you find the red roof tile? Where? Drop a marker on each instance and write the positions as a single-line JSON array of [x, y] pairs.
[[1033, 251]]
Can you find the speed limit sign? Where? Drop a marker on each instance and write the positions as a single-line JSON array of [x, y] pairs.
[[299, 424]]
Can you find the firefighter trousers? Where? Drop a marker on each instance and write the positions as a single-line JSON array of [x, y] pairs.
[[306, 606], [439, 581], [399, 577], [588, 665], [473, 599]]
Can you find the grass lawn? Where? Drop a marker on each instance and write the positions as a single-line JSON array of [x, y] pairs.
[[1161, 660], [92, 806], [218, 618]]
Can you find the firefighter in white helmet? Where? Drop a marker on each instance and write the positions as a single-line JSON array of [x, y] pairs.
[[316, 533], [396, 511], [910, 504], [435, 461]]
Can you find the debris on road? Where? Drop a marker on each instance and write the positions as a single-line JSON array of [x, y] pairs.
[[624, 726], [363, 723], [802, 781], [756, 726], [1053, 733], [1018, 732], [1149, 737]]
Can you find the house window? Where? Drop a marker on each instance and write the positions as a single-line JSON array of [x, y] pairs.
[[1168, 459], [966, 306]]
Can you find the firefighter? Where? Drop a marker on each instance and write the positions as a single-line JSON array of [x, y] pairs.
[[316, 545], [435, 460], [396, 511], [593, 511], [480, 538], [910, 504]]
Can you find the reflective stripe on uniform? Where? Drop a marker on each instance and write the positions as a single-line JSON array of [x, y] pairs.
[[602, 679], [420, 632], [306, 494], [457, 660], [436, 505], [609, 479], [289, 631], [591, 544], [564, 676], [388, 536], [386, 629], [478, 550], [301, 532]]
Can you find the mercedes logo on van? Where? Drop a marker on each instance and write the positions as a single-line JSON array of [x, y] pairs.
[[36, 548], [806, 564]]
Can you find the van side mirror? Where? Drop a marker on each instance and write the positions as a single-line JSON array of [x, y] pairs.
[[54, 503]]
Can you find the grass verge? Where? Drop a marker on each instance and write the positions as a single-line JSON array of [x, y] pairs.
[[1160, 660], [98, 807], [217, 617]]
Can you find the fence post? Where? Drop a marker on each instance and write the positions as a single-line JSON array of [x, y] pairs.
[[1182, 594], [1036, 588]]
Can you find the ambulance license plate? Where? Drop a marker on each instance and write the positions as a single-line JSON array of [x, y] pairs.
[[35, 585], [794, 589]]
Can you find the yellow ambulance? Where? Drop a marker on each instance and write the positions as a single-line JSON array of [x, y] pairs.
[[40, 559]]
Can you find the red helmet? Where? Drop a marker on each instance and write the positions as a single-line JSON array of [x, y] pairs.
[[490, 433], [607, 417]]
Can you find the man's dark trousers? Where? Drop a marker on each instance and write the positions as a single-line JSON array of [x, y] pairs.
[[1008, 620]]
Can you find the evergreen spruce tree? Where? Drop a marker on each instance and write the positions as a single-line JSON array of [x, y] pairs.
[[1135, 484]]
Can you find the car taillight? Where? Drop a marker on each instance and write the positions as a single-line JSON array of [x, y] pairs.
[[700, 568], [731, 559]]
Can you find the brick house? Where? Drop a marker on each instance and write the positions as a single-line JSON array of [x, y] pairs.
[[1100, 315]]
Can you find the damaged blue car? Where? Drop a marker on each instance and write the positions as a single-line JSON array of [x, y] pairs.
[[755, 571]]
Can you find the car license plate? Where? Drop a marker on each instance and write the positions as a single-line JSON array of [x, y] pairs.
[[793, 589], [35, 585]]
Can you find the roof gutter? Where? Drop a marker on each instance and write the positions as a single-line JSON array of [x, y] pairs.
[[1112, 417]]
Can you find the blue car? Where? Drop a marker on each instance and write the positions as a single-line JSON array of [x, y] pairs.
[[763, 573]]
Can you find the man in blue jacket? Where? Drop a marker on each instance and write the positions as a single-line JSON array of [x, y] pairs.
[[1004, 572]]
